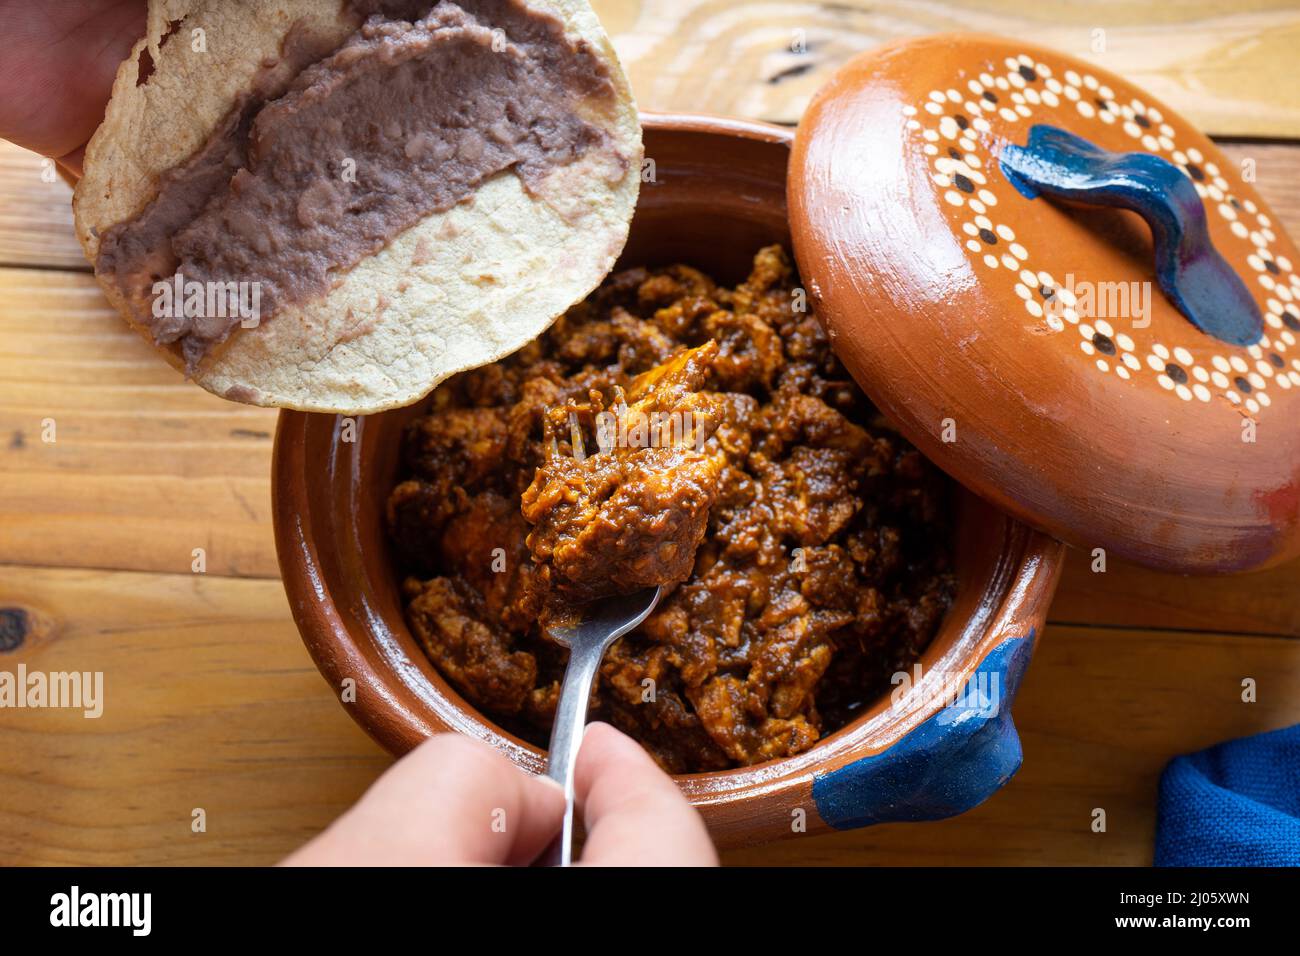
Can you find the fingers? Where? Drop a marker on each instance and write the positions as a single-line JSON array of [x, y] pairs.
[[634, 813], [453, 800], [450, 801], [57, 63]]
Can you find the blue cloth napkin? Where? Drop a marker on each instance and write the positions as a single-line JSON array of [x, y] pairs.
[[1236, 804]]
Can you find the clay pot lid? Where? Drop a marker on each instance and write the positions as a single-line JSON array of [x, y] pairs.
[[962, 213]]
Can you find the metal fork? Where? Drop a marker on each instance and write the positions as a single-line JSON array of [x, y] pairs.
[[602, 623]]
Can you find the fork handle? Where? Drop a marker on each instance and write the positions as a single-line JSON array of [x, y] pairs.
[[566, 738]]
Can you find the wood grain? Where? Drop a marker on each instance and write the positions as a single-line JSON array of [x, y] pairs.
[[35, 213], [143, 468], [1228, 68], [1127, 596], [209, 702]]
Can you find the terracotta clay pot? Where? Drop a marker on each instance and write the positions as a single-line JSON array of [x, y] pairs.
[[718, 195]]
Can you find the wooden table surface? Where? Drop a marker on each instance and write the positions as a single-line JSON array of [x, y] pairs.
[[211, 701]]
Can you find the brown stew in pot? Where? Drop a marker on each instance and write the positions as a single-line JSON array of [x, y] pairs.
[[671, 431]]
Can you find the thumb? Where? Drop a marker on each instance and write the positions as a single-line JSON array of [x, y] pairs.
[[57, 63], [634, 813]]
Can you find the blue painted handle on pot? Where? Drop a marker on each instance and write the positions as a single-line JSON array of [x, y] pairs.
[[955, 760], [1190, 271]]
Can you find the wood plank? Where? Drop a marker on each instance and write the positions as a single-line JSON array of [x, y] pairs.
[[35, 213], [1227, 68], [144, 467], [211, 701], [1262, 602]]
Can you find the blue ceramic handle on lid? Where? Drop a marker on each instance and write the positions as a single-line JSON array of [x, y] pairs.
[[1189, 270]]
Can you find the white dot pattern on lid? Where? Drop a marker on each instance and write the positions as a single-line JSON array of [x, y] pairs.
[[1024, 84]]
